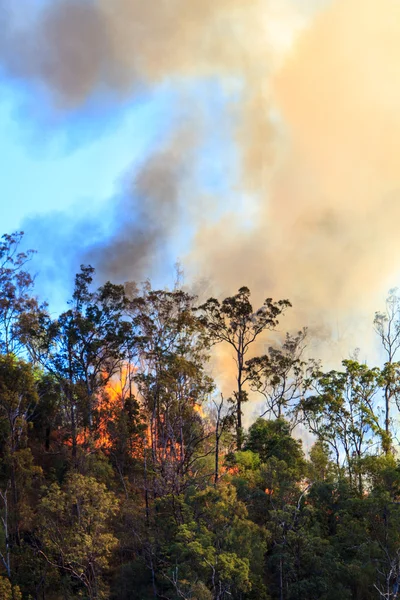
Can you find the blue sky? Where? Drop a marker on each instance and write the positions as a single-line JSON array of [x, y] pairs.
[[75, 161], [66, 173], [71, 169]]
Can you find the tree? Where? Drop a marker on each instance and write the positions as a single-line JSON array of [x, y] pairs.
[[84, 347], [216, 547], [273, 438], [16, 286], [382, 517], [234, 322], [281, 478], [320, 465], [172, 381], [18, 397], [9, 592], [74, 531], [343, 413], [387, 326], [282, 376], [223, 423]]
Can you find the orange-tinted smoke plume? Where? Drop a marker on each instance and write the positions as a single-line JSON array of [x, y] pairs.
[[324, 230]]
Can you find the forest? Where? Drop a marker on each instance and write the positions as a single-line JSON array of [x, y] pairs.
[[125, 473]]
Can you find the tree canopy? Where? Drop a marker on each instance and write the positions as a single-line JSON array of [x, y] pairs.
[[127, 473]]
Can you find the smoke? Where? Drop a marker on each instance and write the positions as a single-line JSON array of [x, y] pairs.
[[125, 238], [325, 229], [315, 90], [145, 217], [67, 53], [72, 49]]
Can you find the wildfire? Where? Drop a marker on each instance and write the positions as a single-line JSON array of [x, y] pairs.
[[110, 402], [199, 410], [232, 470], [120, 386]]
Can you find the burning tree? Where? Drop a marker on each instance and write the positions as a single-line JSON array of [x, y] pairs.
[[172, 381], [82, 348]]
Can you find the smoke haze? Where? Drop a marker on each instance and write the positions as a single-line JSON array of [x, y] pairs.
[[315, 90]]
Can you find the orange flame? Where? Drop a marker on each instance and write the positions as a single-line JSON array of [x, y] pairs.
[[111, 400], [199, 410], [109, 403]]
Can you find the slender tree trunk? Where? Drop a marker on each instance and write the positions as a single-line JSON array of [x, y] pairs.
[[153, 578], [239, 399], [387, 405], [73, 427], [218, 433], [13, 477], [6, 560], [217, 436], [146, 490], [70, 396], [239, 434], [387, 444]]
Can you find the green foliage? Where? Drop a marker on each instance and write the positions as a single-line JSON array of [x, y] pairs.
[[74, 530], [217, 544], [273, 439], [9, 592], [120, 477], [320, 466], [16, 286]]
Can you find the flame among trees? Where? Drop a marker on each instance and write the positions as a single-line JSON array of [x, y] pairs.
[[124, 473]]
